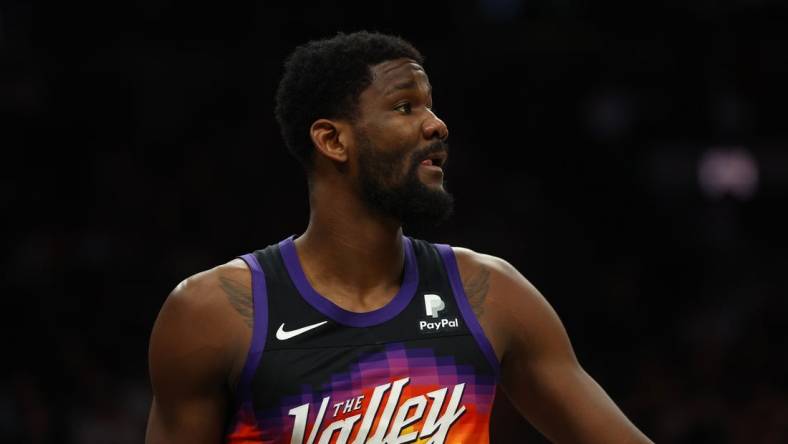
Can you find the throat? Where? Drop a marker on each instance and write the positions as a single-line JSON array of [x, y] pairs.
[[353, 276], [350, 300]]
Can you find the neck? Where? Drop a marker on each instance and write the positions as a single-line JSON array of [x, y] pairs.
[[350, 255]]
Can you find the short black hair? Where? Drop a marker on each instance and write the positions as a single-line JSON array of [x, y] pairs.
[[323, 80]]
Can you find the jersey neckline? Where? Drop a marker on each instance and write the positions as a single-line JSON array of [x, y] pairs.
[[338, 314]]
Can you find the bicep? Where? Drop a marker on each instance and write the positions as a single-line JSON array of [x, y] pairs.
[[543, 379], [188, 372], [565, 403]]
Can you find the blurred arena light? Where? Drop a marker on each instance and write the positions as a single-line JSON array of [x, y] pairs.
[[728, 171]]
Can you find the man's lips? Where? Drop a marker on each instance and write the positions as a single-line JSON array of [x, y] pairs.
[[437, 159], [432, 168]]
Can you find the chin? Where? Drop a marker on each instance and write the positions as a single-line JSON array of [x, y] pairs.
[[435, 187]]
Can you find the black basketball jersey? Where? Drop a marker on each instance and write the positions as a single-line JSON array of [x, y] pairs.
[[419, 369]]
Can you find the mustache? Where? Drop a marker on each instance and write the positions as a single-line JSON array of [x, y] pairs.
[[439, 146]]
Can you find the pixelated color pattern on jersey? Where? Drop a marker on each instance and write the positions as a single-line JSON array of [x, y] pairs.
[[398, 395]]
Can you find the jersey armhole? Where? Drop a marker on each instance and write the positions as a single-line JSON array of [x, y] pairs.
[[243, 390], [452, 270]]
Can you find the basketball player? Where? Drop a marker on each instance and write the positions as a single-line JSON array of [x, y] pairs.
[[353, 332]]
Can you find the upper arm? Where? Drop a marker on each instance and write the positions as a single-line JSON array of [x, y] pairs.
[[540, 372], [192, 353]]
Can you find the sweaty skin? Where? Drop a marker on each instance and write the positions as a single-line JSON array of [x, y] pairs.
[[201, 337]]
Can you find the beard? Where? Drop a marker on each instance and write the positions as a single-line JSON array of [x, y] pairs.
[[386, 191]]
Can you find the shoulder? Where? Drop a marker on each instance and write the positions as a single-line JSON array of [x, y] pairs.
[[229, 282], [207, 294], [508, 306], [470, 260], [202, 284], [479, 267], [205, 321]]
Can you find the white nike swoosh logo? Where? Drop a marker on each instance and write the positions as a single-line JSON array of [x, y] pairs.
[[283, 335]]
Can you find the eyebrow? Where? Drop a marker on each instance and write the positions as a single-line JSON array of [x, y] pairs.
[[408, 84]]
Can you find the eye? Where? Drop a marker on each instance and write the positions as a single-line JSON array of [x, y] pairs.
[[404, 108]]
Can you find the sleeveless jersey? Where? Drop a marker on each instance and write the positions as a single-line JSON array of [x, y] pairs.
[[419, 369]]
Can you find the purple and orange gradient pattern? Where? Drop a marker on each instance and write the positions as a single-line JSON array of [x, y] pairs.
[[440, 402]]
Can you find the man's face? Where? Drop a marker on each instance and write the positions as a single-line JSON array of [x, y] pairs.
[[401, 148]]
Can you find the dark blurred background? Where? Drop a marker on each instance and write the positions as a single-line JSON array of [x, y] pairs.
[[628, 157]]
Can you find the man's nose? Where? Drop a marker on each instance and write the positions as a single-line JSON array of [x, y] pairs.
[[434, 127]]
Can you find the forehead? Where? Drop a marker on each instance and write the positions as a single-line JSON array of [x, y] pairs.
[[394, 75]]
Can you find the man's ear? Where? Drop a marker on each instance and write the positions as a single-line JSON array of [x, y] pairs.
[[330, 137]]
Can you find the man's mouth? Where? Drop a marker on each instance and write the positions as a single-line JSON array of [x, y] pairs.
[[437, 159]]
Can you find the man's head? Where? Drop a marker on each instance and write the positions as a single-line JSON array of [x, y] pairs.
[[360, 105]]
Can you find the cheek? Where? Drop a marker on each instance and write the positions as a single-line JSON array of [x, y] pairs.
[[400, 164], [395, 145], [405, 160], [397, 133], [400, 167]]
